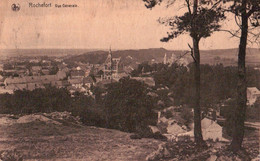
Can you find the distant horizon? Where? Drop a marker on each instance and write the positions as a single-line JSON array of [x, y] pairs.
[[116, 49]]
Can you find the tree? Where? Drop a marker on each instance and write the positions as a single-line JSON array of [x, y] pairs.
[[200, 20], [247, 11], [128, 107]]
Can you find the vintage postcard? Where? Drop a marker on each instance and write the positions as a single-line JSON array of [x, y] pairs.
[[122, 80]]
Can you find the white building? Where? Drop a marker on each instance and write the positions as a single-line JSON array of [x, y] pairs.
[[210, 130], [252, 94]]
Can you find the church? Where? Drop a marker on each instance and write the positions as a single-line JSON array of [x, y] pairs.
[[111, 67]]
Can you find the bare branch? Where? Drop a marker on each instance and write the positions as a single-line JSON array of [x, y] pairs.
[[181, 56], [191, 53], [236, 20], [253, 9], [188, 5], [233, 34], [169, 3], [214, 5]]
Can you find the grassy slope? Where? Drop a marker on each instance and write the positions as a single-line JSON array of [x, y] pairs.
[[41, 141]]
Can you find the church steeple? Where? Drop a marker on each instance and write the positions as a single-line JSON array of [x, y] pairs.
[[109, 57], [110, 51], [165, 59]]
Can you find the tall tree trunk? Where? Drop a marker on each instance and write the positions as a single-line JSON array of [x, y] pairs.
[[240, 111], [197, 113]]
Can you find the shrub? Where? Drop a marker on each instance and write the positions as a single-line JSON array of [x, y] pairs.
[[253, 113], [186, 115], [168, 114], [10, 155]]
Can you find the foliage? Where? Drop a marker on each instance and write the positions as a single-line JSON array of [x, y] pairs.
[[168, 114], [213, 89], [39, 100], [199, 21], [145, 67], [186, 115], [248, 11], [10, 155], [54, 70], [128, 106], [253, 113]]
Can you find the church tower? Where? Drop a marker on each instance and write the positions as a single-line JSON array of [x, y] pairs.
[[108, 66], [165, 59], [173, 58]]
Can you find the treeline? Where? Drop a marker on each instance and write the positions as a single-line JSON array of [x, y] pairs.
[[44, 100], [218, 83], [123, 105], [145, 67]]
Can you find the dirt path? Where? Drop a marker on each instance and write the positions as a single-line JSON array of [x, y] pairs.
[[41, 141]]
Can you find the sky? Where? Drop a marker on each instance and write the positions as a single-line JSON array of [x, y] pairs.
[[96, 24]]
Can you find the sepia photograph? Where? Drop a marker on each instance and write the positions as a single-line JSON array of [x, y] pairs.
[[121, 80]]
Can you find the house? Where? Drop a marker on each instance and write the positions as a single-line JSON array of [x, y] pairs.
[[46, 62], [36, 70], [33, 86], [121, 75], [60, 83], [252, 94], [1, 67], [210, 130], [33, 82], [10, 71], [88, 81], [147, 80], [103, 82], [74, 74], [34, 61], [15, 87], [87, 72], [45, 71], [65, 69], [3, 90], [76, 82], [1, 78], [58, 60], [17, 67], [61, 75], [128, 69], [174, 128]]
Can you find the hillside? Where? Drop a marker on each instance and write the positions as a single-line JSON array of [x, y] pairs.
[[134, 57], [128, 57], [42, 52], [36, 137], [59, 136], [229, 56]]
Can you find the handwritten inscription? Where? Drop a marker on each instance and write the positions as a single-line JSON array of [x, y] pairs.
[[49, 5]]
